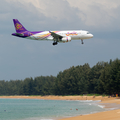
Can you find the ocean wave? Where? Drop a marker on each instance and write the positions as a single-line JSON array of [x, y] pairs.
[[101, 106], [38, 118], [46, 119], [89, 101], [85, 101]]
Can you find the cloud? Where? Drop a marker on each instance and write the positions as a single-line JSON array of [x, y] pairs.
[[63, 14], [55, 15], [58, 9], [98, 14]]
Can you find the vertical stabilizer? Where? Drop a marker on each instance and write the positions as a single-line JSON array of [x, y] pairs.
[[18, 26]]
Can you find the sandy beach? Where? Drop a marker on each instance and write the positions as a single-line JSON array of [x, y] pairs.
[[107, 115], [50, 97]]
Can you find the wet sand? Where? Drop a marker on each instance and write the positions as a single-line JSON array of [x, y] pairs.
[[107, 115], [61, 97]]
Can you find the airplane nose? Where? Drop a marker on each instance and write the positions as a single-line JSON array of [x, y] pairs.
[[91, 35]]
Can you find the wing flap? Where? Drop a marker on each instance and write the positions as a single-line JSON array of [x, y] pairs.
[[56, 36]]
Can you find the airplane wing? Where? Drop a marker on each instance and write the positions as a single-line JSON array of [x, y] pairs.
[[56, 36]]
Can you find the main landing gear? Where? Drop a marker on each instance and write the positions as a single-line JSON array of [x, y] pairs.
[[82, 41], [55, 43]]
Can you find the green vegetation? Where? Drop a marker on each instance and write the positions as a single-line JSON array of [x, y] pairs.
[[103, 78]]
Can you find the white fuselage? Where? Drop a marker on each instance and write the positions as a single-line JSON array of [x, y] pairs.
[[74, 35]]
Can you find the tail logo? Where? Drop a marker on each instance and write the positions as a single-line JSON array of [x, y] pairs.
[[18, 26]]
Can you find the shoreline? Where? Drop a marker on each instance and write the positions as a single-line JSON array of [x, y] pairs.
[[52, 97], [108, 102], [106, 115]]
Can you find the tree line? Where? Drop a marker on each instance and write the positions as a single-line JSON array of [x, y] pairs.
[[102, 78]]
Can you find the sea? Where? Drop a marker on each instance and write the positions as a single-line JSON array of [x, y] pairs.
[[36, 109]]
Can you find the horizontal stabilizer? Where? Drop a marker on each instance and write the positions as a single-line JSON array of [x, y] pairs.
[[19, 34]]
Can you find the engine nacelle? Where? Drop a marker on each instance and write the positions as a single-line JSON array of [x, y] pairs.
[[66, 39]]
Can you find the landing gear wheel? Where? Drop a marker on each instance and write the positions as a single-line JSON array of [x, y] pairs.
[[82, 42], [55, 43]]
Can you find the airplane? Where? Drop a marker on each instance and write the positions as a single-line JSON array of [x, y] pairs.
[[56, 36]]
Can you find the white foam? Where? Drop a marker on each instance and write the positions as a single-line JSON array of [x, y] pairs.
[[35, 118], [46, 119], [101, 106], [86, 100], [97, 101], [112, 108]]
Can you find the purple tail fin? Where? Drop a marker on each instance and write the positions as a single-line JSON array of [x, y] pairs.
[[18, 26]]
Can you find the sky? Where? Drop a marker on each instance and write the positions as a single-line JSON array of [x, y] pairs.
[[21, 58]]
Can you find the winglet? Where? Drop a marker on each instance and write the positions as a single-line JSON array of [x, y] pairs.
[[18, 26]]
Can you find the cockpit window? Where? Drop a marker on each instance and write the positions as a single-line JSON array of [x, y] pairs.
[[88, 33]]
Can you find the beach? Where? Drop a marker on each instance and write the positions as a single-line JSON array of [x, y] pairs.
[[106, 101], [51, 97]]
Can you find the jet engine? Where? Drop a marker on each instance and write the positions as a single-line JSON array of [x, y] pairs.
[[66, 39]]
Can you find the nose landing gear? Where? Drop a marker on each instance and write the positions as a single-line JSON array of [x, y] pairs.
[[82, 41]]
